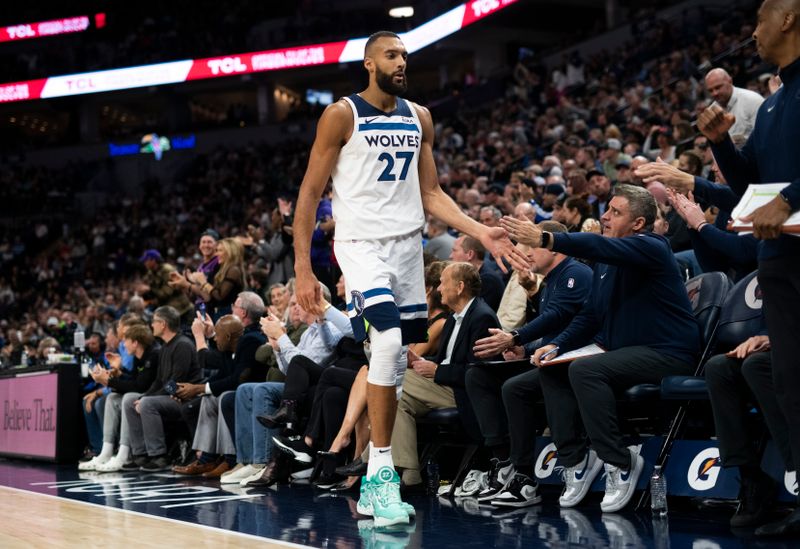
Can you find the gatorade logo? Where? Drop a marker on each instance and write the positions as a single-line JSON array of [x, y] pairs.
[[385, 474], [704, 470], [546, 461], [752, 295], [790, 482]]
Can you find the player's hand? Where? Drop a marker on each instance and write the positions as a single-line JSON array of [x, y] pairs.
[[714, 123], [768, 220], [497, 242], [308, 292]]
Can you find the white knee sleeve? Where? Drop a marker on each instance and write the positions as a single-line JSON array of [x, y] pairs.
[[386, 347]]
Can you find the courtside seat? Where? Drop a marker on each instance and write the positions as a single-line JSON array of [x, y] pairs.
[[707, 293], [739, 319], [643, 393], [684, 388]]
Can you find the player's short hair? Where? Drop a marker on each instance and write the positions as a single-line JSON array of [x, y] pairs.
[[375, 37]]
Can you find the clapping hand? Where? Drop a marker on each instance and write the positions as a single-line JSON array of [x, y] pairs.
[[687, 209]]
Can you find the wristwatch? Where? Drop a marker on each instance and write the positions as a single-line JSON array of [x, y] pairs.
[[516, 340], [545, 239]]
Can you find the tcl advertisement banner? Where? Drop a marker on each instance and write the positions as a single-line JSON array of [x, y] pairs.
[[174, 72], [44, 28], [29, 415]]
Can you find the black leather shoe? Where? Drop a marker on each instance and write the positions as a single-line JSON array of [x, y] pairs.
[[284, 415], [789, 526], [277, 470], [756, 498], [355, 468]]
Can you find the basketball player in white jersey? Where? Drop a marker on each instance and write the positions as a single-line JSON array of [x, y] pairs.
[[378, 150]]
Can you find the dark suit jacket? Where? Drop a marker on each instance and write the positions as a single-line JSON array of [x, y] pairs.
[[479, 318], [492, 285]]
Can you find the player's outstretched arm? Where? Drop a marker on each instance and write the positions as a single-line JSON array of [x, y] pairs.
[[334, 126], [441, 206]]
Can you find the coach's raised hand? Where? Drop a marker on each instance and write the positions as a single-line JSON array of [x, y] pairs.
[[523, 231], [714, 123]]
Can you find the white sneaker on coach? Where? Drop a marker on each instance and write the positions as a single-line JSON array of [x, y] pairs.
[[238, 476], [111, 466], [229, 472], [620, 484], [499, 475], [92, 464], [578, 479], [473, 483]]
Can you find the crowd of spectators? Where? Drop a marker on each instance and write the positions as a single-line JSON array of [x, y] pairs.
[[553, 150]]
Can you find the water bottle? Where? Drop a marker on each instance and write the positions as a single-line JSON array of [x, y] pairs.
[[86, 366], [432, 470], [661, 532], [79, 340], [658, 493], [24, 358]]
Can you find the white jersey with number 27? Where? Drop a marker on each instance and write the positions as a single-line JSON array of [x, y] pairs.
[[376, 191]]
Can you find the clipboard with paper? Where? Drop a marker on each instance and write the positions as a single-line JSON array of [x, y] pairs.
[[587, 350], [754, 197]]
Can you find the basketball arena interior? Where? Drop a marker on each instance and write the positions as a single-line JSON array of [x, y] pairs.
[[387, 274]]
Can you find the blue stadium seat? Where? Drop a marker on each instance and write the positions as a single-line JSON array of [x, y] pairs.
[[739, 319], [707, 293]]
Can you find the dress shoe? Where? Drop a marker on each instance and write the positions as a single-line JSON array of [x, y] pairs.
[[135, 463], [789, 526], [157, 464], [195, 468], [346, 485], [284, 415], [276, 470], [217, 472], [756, 498], [354, 468]]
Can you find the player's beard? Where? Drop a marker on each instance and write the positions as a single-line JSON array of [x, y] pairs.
[[387, 84]]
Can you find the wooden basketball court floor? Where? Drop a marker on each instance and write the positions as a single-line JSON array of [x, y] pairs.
[[45, 505]]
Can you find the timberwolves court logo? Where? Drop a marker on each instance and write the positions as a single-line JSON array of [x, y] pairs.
[[358, 301], [752, 295], [546, 461], [790, 482], [704, 470]]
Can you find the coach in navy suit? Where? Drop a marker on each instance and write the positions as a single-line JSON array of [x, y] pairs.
[[440, 383]]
